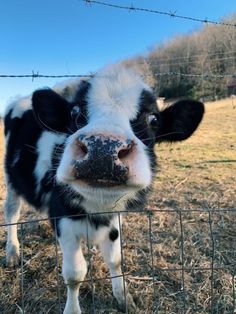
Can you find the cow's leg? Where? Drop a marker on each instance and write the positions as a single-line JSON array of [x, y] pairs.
[[12, 214], [111, 250], [74, 267]]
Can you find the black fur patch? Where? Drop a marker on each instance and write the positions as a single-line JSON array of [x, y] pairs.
[[180, 120], [24, 134], [114, 234]]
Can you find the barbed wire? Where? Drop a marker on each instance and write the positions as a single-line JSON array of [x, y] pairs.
[[161, 74], [170, 14], [37, 75]]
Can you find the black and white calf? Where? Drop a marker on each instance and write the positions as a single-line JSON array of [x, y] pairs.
[[85, 148]]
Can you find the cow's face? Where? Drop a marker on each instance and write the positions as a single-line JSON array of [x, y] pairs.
[[114, 124]]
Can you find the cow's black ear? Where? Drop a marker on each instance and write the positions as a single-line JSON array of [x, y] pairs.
[[51, 110], [180, 120]]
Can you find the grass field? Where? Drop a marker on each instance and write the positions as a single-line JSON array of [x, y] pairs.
[[199, 173]]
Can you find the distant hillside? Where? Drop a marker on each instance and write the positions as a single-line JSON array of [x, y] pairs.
[[211, 50]]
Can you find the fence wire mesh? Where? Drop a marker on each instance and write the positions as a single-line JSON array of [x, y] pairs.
[[173, 261]]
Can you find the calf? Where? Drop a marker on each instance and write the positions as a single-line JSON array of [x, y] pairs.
[[85, 148]]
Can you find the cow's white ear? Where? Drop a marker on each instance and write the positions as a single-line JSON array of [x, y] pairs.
[[180, 120], [51, 110]]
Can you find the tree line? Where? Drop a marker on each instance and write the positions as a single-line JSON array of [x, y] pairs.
[[208, 51]]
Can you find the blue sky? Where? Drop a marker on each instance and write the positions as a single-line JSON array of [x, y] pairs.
[[70, 37]]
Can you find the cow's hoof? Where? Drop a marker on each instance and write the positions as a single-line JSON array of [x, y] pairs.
[[12, 256], [128, 305]]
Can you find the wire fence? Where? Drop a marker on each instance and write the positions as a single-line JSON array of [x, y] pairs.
[[161, 74], [171, 14], [159, 262]]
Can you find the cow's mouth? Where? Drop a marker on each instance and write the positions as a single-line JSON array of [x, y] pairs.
[[103, 183], [100, 183]]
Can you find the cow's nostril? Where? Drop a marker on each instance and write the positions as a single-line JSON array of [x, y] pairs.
[[124, 152], [81, 149]]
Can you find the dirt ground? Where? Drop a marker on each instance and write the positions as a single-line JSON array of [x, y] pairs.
[[174, 262]]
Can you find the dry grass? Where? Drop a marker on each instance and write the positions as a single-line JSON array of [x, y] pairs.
[[196, 174]]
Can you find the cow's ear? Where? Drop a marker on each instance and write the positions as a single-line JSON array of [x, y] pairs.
[[51, 110], [180, 120]]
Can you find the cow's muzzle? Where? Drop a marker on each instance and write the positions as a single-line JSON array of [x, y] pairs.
[[102, 161]]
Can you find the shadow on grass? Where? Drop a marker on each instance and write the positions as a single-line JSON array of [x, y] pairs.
[[218, 161]]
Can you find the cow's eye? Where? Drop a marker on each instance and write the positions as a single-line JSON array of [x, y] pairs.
[[152, 120], [75, 111]]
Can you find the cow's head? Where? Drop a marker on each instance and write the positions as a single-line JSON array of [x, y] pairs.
[[112, 127]]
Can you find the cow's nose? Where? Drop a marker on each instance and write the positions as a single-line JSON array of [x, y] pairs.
[[100, 146], [102, 159]]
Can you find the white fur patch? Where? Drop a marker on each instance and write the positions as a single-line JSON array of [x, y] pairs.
[[12, 214], [45, 146], [19, 107], [115, 90], [64, 171], [82, 229], [105, 200], [68, 89], [74, 267]]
